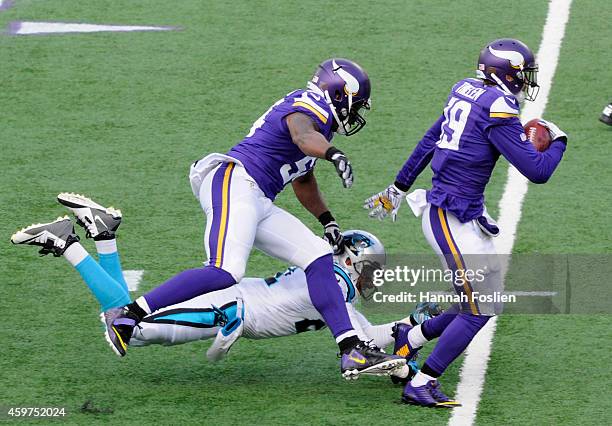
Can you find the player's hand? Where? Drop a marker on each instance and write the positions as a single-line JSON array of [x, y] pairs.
[[555, 132], [342, 165], [385, 202], [332, 233], [334, 237]]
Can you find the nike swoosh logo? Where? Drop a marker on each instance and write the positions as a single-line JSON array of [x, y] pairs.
[[357, 360], [101, 221]]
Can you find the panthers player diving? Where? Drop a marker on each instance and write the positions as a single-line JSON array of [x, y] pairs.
[[479, 123], [254, 308]]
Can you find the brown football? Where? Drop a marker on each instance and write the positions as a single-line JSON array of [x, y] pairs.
[[538, 134]]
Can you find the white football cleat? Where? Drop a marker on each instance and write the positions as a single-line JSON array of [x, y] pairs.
[[99, 221], [54, 237]]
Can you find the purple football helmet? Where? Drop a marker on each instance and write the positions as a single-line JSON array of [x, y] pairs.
[[511, 65], [346, 88]]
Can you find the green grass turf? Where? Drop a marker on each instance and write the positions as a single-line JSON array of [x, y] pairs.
[[121, 116]]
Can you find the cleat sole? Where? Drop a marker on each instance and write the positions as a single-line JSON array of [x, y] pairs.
[[385, 368], [78, 201], [73, 200]]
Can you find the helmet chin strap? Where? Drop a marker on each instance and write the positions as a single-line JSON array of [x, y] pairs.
[[341, 130], [502, 85], [341, 124]]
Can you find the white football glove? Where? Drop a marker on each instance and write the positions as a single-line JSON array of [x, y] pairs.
[[385, 202], [555, 132]]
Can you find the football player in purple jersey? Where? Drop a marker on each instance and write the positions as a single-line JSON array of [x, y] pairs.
[[479, 123], [237, 189]]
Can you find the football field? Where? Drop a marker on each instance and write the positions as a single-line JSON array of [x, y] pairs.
[[120, 116]]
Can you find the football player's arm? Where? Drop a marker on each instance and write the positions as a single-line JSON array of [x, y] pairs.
[[305, 134], [510, 140], [390, 199], [420, 157], [307, 192], [380, 334], [355, 318]]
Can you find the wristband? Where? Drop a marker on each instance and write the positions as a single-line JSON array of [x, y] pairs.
[[326, 218], [330, 152], [401, 186]]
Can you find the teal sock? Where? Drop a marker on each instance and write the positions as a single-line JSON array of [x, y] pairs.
[[108, 292], [112, 265], [108, 257]]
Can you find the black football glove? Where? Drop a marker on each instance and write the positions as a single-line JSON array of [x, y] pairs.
[[342, 165], [332, 233]]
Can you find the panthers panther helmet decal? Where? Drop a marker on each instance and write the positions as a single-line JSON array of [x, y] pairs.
[[363, 255]]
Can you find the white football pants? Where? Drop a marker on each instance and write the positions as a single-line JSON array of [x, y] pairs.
[[239, 216]]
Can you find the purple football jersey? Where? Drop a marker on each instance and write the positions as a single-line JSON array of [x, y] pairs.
[[268, 152], [479, 123]]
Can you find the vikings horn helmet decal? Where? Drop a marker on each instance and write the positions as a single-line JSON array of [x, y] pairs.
[[515, 58], [346, 89], [351, 87]]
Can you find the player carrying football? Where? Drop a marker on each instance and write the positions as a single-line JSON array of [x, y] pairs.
[[480, 121]]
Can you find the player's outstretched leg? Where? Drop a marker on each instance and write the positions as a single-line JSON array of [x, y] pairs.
[[58, 237], [101, 224], [357, 357]]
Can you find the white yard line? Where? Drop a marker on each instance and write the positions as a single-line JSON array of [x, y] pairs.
[[474, 368], [133, 278]]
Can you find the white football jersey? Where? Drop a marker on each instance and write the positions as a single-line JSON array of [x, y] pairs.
[[281, 306]]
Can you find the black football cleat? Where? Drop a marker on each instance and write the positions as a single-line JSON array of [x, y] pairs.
[[54, 237], [368, 360]]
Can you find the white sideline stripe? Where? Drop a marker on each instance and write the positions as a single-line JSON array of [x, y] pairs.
[[133, 278], [28, 27], [474, 366]]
